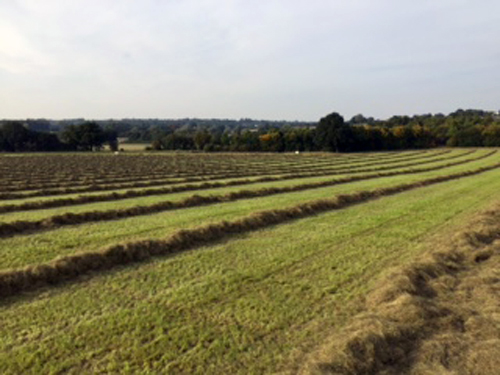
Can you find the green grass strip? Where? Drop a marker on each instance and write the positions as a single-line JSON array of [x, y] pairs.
[[70, 267]]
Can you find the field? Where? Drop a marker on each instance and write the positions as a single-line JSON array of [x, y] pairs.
[[236, 263], [133, 146]]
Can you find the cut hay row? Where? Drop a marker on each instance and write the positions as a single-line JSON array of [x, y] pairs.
[[70, 267], [191, 202], [415, 320], [56, 221], [102, 176], [13, 174], [216, 173], [76, 166], [334, 171], [84, 165]]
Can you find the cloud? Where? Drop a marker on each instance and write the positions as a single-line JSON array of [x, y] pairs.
[[233, 58]]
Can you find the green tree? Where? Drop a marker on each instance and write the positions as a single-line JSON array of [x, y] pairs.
[[85, 137], [250, 141], [91, 136], [464, 135], [15, 136], [202, 138], [404, 137], [491, 135], [332, 133], [272, 141], [178, 141]]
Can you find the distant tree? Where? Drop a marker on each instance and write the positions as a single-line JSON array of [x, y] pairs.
[[178, 141], [404, 137], [249, 141], [110, 136], [422, 137], [308, 136], [156, 145], [201, 138], [359, 119], [367, 138], [3, 143], [15, 136], [91, 135], [332, 133], [48, 142], [397, 121], [39, 125], [439, 134], [69, 135], [293, 140], [463, 133], [273, 141], [85, 137], [491, 135]]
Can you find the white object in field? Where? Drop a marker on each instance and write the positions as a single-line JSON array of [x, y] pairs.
[[297, 152]]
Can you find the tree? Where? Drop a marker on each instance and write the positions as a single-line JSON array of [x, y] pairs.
[[491, 135], [250, 141], [368, 138], [359, 119], [331, 133], [272, 141], [91, 135], [178, 141], [85, 137], [464, 135], [403, 137], [201, 138], [15, 136], [69, 136]]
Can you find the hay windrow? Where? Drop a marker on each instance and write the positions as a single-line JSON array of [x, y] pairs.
[[70, 267], [84, 199], [137, 179], [60, 172], [56, 221], [413, 321], [17, 193]]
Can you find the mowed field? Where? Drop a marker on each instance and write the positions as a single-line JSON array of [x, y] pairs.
[[212, 263]]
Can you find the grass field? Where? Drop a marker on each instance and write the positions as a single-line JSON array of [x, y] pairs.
[[134, 147], [233, 273]]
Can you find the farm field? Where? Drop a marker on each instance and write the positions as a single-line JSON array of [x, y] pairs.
[[213, 263]]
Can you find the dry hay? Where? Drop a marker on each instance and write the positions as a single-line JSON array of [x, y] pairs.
[[69, 267], [439, 315], [11, 191], [56, 221]]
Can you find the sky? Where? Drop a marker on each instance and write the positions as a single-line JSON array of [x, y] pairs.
[[261, 59]]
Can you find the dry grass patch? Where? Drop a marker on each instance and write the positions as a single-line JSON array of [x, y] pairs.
[[439, 315]]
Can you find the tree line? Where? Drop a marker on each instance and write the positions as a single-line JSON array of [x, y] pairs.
[[462, 128], [16, 136]]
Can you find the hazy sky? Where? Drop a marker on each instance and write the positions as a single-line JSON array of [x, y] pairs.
[[266, 59]]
